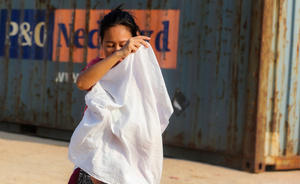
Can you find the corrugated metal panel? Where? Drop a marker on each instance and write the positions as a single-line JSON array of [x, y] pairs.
[[283, 91], [231, 68], [213, 76]]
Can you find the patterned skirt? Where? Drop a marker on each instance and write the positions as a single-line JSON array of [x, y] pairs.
[[80, 177]]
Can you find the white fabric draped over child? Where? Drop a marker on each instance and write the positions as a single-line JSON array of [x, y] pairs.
[[119, 138]]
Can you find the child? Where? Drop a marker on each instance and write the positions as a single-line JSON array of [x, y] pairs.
[[119, 36]]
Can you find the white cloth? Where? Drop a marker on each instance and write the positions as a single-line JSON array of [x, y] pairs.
[[119, 138]]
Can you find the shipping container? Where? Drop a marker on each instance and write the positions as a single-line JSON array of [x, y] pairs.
[[231, 69]]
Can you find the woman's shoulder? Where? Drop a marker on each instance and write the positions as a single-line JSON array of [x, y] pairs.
[[92, 62]]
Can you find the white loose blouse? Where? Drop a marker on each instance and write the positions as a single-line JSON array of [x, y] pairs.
[[119, 139]]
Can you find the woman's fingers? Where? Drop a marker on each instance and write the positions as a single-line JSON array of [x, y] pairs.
[[134, 49], [143, 37], [137, 45], [133, 44], [142, 40], [145, 44]]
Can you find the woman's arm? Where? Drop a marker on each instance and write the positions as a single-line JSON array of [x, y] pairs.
[[93, 74]]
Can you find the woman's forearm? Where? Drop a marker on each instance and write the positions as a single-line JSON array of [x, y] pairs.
[[93, 74]]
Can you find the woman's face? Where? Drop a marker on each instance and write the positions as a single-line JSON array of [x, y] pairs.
[[115, 38]]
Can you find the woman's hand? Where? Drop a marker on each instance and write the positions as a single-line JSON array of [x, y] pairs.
[[132, 45]]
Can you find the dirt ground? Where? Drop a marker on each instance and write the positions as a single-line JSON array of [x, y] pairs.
[[32, 160]]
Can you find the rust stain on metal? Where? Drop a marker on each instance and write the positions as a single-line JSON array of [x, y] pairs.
[[298, 45], [149, 4], [39, 3], [280, 81], [86, 29], [179, 138], [68, 102], [233, 127], [192, 145], [286, 150], [44, 78], [6, 53], [274, 126], [17, 82], [199, 135], [287, 162]]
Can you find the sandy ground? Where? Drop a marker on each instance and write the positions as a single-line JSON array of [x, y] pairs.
[[32, 160]]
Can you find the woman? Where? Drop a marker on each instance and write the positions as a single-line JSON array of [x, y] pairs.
[[119, 38], [118, 34]]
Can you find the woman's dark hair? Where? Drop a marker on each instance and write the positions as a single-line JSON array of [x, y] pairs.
[[118, 17]]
